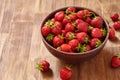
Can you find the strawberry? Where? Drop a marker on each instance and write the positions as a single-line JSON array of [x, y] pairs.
[[65, 73], [115, 62], [114, 17], [111, 33], [49, 38], [96, 33], [70, 10], [82, 27], [97, 22], [74, 44], [66, 20], [57, 41], [80, 14], [95, 42], [59, 16], [65, 48], [77, 21], [70, 36], [82, 37], [116, 25], [85, 48], [46, 30], [43, 66], [73, 16], [57, 28], [69, 27], [53, 20], [88, 20]]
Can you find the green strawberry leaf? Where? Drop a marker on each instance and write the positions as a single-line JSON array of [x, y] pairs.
[[66, 12], [83, 48], [92, 14], [39, 67], [78, 47], [86, 40], [104, 32], [66, 16], [98, 43], [49, 23], [90, 27], [49, 37], [74, 24], [118, 55], [71, 36], [84, 14]]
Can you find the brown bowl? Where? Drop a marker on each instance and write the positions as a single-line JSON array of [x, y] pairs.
[[73, 57]]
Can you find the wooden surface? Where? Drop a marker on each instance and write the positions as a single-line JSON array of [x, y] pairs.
[[21, 46]]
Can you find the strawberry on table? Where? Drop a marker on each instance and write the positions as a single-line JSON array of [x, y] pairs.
[[116, 25], [65, 73], [111, 33], [114, 17], [43, 66], [115, 62]]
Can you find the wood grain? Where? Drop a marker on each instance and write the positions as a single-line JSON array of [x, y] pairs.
[[21, 46]]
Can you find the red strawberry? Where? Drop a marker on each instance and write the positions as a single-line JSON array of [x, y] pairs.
[[57, 28], [70, 36], [77, 21], [49, 38], [65, 73], [97, 22], [43, 66], [86, 13], [85, 48], [115, 62], [69, 27], [95, 42], [83, 27], [80, 14], [73, 16], [65, 48], [111, 33], [88, 20], [66, 20], [70, 10], [57, 41], [59, 16], [63, 32], [114, 17], [46, 30], [96, 33], [116, 25], [74, 44], [53, 20], [82, 37]]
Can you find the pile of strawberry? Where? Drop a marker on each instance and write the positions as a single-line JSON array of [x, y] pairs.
[[74, 30]]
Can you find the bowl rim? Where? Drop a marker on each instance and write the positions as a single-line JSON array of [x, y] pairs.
[[74, 53]]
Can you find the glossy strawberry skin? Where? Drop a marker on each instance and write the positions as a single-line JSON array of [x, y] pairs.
[[82, 27], [96, 33], [43, 66], [73, 17], [57, 41], [65, 21], [69, 27], [77, 21], [88, 47], [81, 37], [95, 42], [115, 62], [111, 33], [73, 43], [88, 20], [65, 73], [114, 17], [80, 14], [97, 22], [71, 9], [65, 48], [59, 16], [56, 30], [116, 25], [46, 30]]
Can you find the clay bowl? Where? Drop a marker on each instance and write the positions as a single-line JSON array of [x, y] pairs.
[[73, 57]]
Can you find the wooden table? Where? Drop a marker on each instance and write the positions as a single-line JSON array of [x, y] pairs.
[[21, 46]]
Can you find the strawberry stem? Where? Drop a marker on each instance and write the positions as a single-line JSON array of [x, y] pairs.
[[104, 32], [49, 37], [49, 23], [83, 48], [98, 43], [39, 67], [78, 47], [92, 13]]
